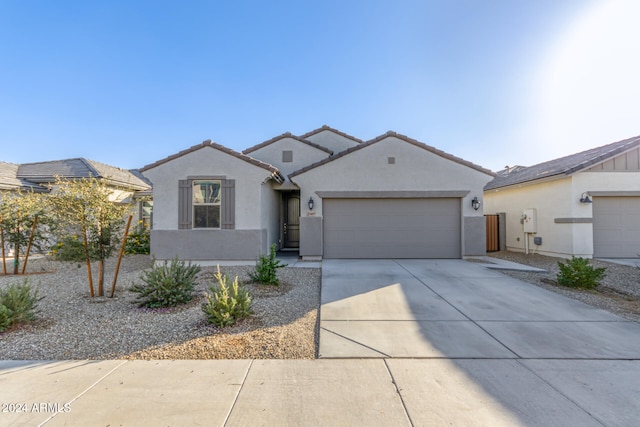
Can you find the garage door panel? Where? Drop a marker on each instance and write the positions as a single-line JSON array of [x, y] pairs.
[[616, 227], [391, 228]]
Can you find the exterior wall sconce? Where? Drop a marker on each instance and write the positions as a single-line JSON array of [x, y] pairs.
[[310, 203], [585, 198], [475, 203]]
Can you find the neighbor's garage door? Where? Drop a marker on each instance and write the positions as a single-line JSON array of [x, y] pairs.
[[391, 228], [616, 227]]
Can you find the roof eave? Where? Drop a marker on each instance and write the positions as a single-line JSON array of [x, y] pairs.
[[283, 136], [528, 182]]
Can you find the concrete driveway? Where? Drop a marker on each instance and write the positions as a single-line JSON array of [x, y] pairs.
[[403, 343], [464, 337]]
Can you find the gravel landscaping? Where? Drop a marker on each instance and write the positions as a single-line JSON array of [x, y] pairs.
[[619, 291], [72, 325]]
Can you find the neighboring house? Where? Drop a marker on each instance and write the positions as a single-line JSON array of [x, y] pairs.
[[9, 180], [586, 204], [325, 193], [124, 182], [127, 186], [39, 177]]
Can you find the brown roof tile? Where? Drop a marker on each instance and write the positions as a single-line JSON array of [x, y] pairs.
[[336, 131], [286, 135], [399, 136], [208, 143]]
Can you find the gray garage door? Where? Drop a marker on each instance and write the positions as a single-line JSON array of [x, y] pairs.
[[616, 227], [391, 228]]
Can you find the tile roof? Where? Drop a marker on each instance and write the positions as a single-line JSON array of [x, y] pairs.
[[336, 131], [9, 179], [208, 143], [399, 136], [286, 135], [563, 166], [46, 172]]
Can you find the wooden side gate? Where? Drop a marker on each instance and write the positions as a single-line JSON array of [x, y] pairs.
[[493, 233]]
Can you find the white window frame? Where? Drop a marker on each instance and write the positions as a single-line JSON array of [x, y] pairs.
[[195, 188]]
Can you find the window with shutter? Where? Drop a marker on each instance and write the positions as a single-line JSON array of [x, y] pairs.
[[206, 203]]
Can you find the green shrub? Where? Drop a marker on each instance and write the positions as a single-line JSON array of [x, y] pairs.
[[166, 285], [139, 240], [577, 273], [20, 302], [225, 305], [5, 318], [69, 248], [266, 268]]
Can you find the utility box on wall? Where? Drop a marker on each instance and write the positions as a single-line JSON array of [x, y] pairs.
[[529, 220]]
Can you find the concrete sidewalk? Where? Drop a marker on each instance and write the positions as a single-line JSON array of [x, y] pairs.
[[338, 392], [404, 343]]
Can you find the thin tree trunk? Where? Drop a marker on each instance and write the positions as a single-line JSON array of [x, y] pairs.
[[16, 258], [124, 242], [101, 273], [33, 231], [4, 259], [86, 248], [16, 249]]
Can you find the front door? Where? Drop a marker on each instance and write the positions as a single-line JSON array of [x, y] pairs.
[[291, 220]]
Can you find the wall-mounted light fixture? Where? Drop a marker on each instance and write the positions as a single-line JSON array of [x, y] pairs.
[[310, 203], [475, 203], [585, 198]]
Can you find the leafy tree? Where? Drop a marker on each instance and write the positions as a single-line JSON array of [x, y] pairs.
[[24, 223], [86, 207]]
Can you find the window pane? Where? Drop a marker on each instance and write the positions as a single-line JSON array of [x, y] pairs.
[[206, 192], [146, 209], [207, 216]]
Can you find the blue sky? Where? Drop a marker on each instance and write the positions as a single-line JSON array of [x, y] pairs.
[[495, 82]]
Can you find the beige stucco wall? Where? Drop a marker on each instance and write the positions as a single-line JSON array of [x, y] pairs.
[[551, 200], [270, 213], [606, 181], [332, 141], [559, 211], [207, 161], [415, 169], [303, 155]]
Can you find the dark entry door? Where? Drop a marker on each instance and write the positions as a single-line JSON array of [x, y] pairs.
[[291, 221]]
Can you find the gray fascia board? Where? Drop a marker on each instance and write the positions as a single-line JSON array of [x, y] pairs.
[[391, 194]]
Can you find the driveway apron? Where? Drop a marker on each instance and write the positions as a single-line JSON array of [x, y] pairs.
[[467, 345], [458, 309]]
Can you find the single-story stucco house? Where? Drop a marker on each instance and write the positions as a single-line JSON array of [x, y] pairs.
[[128, 186], [585, 205], [325, 193]]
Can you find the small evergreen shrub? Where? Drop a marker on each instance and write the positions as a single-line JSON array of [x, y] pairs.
[[224, 305], [19, 302], [166, 285], [5, 318], [577, 273], [266, 269], [139, 240]]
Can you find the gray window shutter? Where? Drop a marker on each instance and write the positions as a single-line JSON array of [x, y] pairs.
[[184, 204], [228, 214]]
